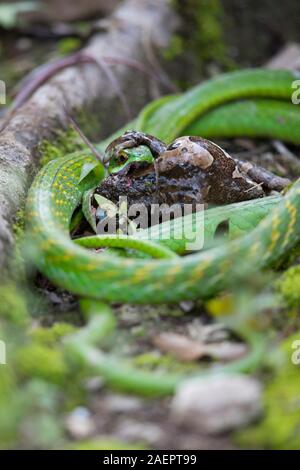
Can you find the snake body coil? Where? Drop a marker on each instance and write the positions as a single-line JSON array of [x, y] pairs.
[[57, 191], [247, 103]]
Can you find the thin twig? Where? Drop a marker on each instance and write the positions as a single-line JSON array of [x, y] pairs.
[[255, 185], [74, 124]]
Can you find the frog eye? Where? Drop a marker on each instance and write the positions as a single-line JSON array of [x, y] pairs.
[[173, 146], [122, 158]]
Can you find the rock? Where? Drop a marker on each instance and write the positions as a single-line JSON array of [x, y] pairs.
[[79, 423], [218, 403]]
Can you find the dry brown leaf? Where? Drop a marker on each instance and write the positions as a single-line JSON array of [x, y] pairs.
[[187, 349], [180, 346]]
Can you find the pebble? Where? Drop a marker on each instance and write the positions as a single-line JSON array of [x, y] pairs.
[[217, 404], [80, 424]]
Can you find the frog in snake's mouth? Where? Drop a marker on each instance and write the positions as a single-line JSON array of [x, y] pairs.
[[191, 170]]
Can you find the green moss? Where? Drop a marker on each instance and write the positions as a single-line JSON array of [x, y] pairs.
[[280, 427], [289, 286], [42, 362], [19, 224], [7, 383], [69, 141], [17, 261], [203, 35], [13, 307], [106, 444], [74, 393], [90, 122], [27, 411], [175, 48], [10, 415], [208, 34], [66, 142], [68, 45], [53, 335], [27, 416]]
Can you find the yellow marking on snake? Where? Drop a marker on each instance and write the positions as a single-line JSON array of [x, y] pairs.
[[169, 275], [67, 257], [89, 267], [225, 266], [275, 234], [141, 274], [292, 210], [45, 245], [199, 270], [254, 249]]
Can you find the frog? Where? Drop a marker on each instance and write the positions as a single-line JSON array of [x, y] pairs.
[[189, 170]]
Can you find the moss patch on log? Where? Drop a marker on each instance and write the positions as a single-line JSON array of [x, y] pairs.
[[289, 286], [66, 142], [201, 41]]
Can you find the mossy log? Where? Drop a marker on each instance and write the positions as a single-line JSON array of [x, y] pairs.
[[85, 88]]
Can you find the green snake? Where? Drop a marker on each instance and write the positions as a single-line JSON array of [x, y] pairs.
[[243, 103]]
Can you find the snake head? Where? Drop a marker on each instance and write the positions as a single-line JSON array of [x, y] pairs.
[[132, 150], [131, 159], [123, 142], [131, 139]]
